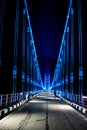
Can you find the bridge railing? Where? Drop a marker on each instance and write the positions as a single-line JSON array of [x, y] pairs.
[[76, 98], [10, 99]]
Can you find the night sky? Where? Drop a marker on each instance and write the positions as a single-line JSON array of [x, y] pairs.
[[47, 20]]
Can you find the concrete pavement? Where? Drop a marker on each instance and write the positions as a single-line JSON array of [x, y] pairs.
[[44, 112]]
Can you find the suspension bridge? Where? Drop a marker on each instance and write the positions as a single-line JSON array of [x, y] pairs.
[[26, 100]]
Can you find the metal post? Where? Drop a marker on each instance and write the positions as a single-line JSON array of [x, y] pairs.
[[64, 64], [6, 99], [80, 52], [28, 44], [15, 47], [67, 61], [72, 52], [11, 99], [62, 72], [61, 81], [31, 86], [23, 50]]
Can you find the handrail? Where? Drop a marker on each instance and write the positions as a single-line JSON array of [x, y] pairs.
[[10, 99], [76, 98]]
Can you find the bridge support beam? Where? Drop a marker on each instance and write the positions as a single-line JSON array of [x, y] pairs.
[[72, 52], [23, 49], [80, 52], [15, 48]]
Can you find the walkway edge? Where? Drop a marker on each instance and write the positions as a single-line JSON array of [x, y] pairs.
[[77, 107], [6, 111]]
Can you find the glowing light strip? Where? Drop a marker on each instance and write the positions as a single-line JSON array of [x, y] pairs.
[[63, 38], [32, 43], [65, 29]]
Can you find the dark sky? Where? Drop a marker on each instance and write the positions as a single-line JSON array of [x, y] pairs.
[[48, 20]]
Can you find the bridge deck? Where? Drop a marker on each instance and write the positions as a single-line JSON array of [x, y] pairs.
[[44, 112]]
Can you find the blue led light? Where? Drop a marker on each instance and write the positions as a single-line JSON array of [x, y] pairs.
[[71, 78], [27, 78], [67, 16], [67, 29], [80, 73], [30, 30], [14, 70], [28, 17], [23, 76], [60, 59], [64, 30]]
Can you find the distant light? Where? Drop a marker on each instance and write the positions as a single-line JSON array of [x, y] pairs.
[[44, 88], [28, 17], [14, 71], [84, 97], [50, 88], [21, 93]]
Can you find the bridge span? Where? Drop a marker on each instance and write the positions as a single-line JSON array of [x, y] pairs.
[[44, 112]]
